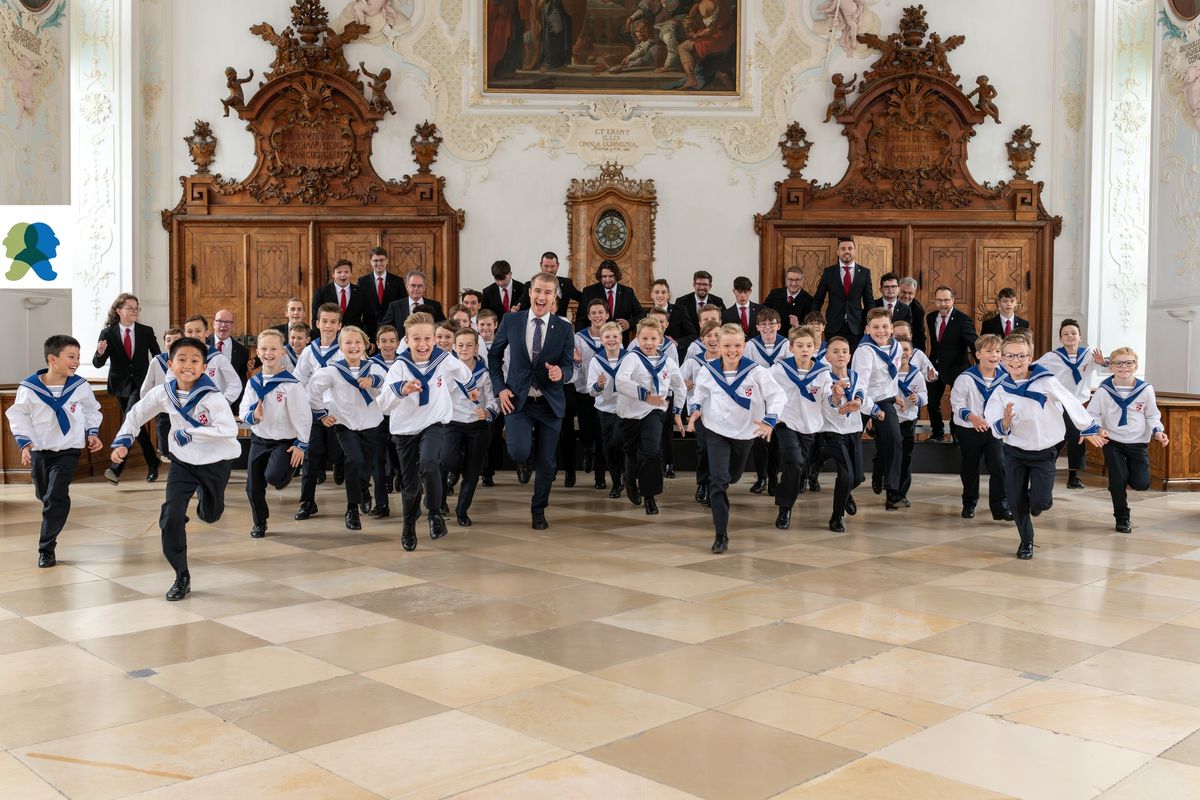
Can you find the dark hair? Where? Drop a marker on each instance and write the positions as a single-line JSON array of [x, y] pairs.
[[386, 329], [1007, 292], [943, 288], [814, 316], [301, 326], [378, 251], [422, 309], [596, 301], [548, 254], [113, 316], [342, 262], [465, 292], [661, 282], [889, 276], [330, 308], [742, 284], [849, 239], [1068, 322], [661, 312], [189, 341], [57, 343], [701, 273], [767, 315], [174, 330], [448, 325], [609, 264], [197, 318], [500, 269]]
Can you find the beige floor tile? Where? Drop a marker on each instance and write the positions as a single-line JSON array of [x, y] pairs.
[[981, 750], [1150, 583], [797, 646], [20, 781], [1159, 778], [1071, 623], [468, 676], [1169, 641], [50, 666], [904, 707], [1102, 557], [284, 778], [694, 755], [278, 625], [205, 577], [18, 634], [812, 555], [873, 779], [1006, 647], [1187, 751], [114, 620], [587, 646], [1191, 620], [958, 683], [953, 603], [671, 581], [1102, 715], [490, 620], [581, 712], [351, 580], [588, 600], [170, 645], [409, 602], [578, 778], [768, 601], [244, 599], [1004, 584], [48, 599], [220, 679], [1138, 673], [684, 621], [884, 624], [829, 721], [511, 583], [16, 580], [1105, 600], [470, 752], [376, 646], [699, 675], [143, 755]]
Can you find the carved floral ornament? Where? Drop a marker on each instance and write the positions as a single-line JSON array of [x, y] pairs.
[[612, 176]]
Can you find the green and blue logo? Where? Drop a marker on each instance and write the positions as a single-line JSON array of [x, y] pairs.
[[31, 246]]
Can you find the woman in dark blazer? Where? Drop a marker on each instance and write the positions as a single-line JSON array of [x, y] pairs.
[[127, 363]]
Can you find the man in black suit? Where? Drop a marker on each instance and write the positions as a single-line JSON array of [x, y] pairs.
[[222, 339], [566, 287], [345, 295], [848, 287], [127, 346], [541, 355], [1006, 320], [889, 288], [623, 305], [293, 313], [908, 296], [951, 345], [504, 294], [380, 288], [684, 325], [791, 301], [743, 312], [400, 310]]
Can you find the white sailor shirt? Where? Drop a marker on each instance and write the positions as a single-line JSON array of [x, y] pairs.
[[433, 405], [157, 373], [804, 389], [286, 412], [731, 403], [1072, 371], [606, 395], [334, 389], [54, 417], [640, 377], [877, 368], [203, 430], [853, 390], [971, 392], [765, 355], [313, 358], [1129, 413], [460, 393], [910, 383], [1038, 405]]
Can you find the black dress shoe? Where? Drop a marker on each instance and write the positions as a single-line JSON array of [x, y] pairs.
[[772, 486], [588, 461], [720, 544], [968, 512], [1036, 511], [851, 506], [760, 486], [488, 480], [633, 494], [408, 537], [46, 560], [320, 477], [892, 502], [669, 472], [939, 438], [111, 476], [364, 507], [399, 482], [569, 481], [180, 589], [540, 523], [152, 475], [339, 475], [352, 521], [379, 512], [1073, 482], [814, 484], [445, 507], [1003, 516], [306, 510], [877, 484], [437, 526], [258, 531], [601, 483], [523, 473], [783, 520], [1025, 551], [702, 493], [1123, 526], [835, 525], [464, 521], [617, 490], [651, 506]]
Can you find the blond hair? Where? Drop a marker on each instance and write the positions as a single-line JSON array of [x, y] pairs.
[[988, 341], [419, 318], [610, 326], [732, 329], [646, 322], [801, 331], [354, 330], [271, 333], [1123, 351], [708, 327]]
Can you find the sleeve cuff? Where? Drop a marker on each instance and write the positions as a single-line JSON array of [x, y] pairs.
[[123, 441], [376, 380], [320, 413], [999, 429], [964, 414], [248, 417], [23, 442], [770, 421], [92, 432], [693, 409], [1091, 430], [1153, 431], [642, 393], [303, 446]]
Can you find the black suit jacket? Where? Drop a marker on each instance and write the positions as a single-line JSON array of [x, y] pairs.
[[900, 313], [518, 295], [777, 300], [358, 313], [684, 325], [918, 322], [625, 305], [393, 290], [951, 354], [558, 347], [992, 325], [399, 310], [567, 291], [849, 311], [733, 315], [125, 375]]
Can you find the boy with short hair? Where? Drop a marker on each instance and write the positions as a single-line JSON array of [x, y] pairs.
[[1073, 365], [601, 386], [805, 383], [486, 321], [385, 468], [968, 400], [588, 345], [467, 432], [460, 315], [203, 446], [815, 321], [54, 415], [912, 395], [841, 431], [742, 312], [156, 375], [299, 335], [877, 361], [708, 313], [669, 348], [710, 337], [1126, 407], [902, 330], [764, 350], [217, 366], [322, 444], [1005, 322]]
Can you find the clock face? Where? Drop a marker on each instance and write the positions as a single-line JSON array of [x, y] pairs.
[[612, 232]]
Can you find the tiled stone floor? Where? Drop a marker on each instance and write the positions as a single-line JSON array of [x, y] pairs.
[[610, 657]]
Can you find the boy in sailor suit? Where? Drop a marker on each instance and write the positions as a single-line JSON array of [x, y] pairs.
[[1026, 412], [322, 443], [203, 446], [764, 350], [709, 338], [342, 396], [708, 313], [217, 366], [968, 398], [912, 395], [277, 411], [902, 329], [1073, 365], [877, 361], [53, 417], [467, 434], [841, 432], [740, 402], [601, 386], [417, 397], [805, 385], [1126, 407], [298, 336], [385, 468], [587, 347], [156, 375], [670, 349], [645, 381]]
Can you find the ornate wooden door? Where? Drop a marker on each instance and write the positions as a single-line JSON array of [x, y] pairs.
[[276, 270], [941, 259], [216, 269], [351, 243], [1004, 261]]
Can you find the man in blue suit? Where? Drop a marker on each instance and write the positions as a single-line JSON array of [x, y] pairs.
[[541, 360]]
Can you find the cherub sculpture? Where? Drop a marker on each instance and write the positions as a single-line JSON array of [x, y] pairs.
[[234, 84], [842, 89], [987, 93], [379, 98]]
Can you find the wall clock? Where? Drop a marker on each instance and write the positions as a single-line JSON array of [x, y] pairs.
[[612, 232]]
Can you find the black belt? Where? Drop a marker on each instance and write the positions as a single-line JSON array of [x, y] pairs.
[[538, 400]]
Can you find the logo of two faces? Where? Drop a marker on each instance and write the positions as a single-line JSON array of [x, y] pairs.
[[31, 246]]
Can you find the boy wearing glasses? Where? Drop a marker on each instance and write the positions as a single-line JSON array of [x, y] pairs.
[[1073, 364], [1126, 407]]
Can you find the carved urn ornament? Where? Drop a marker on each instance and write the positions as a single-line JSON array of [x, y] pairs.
[[1022, 150], [202, 146], [795, 147], [425, 143]]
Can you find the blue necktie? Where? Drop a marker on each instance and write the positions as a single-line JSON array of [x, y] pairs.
[[536, 349]]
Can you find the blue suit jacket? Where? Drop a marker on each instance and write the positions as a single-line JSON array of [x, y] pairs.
[[558, 347]]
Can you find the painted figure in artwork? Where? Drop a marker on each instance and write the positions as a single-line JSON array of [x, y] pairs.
[[711, 30], [23, 74], [846, 15], [645, 54], [664, 16], [365, 10], [556, 35]]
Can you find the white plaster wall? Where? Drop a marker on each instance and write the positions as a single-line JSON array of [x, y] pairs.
[[26, 329]]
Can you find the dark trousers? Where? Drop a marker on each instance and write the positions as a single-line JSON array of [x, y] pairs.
[[269, 463], [359, 454], [465, 449], [846, 451], [888, 450], [766, 458], [643, 452], [795, 452], [937, 389], [421, 456], [535, 417], [974, 445], [1075, 448], [1128, 466], [495, 450], [907, 429], [162, 427], [322, 447], [1029, 481], [726, 463], [143, 440], [52, 473], [668, 438], [382, 457], [612, 445], [850, 336], [702, 475], [565, 454], [207, 482], [589, 423]]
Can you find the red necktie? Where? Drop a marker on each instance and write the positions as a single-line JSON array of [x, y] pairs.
[[504, 301], [342, 302], [128, 345], [791, 299], [889, 308], [381, 290], [1007, 327], [846, 281], [220, 346], [942, 329], [745, 319], [611, 310]]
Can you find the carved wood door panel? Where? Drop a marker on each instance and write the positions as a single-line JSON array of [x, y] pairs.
[[941, 260], [875, 252], [811, 254], [216, 272], [277, 270], [1004, 261], [351, 243], [413, 248]]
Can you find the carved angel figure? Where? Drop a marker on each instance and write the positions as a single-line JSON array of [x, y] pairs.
[[987, 93], [364, 10], [845, 15], [842, 89], [379, 98], [234, 84]]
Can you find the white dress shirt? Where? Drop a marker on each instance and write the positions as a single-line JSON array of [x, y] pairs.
[[530, 327], [156, 375]]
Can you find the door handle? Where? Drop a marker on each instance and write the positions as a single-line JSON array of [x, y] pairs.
[[193, 274]]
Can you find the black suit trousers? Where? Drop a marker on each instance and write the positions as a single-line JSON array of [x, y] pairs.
[[1029, 483], [207, 482], [421, 455], [1128, 467], [52, 473], [269, 463], [643, 452]]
